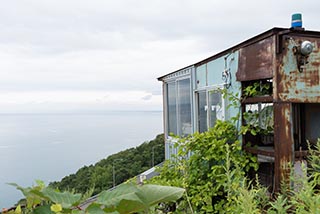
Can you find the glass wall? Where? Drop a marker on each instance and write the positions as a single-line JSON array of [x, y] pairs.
[[172, 108], [202, 111], [184, 107], [216, 110], [179, 107]]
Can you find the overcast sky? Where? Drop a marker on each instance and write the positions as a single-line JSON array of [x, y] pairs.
[[87, 55]]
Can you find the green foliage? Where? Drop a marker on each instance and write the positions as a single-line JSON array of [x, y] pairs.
[[279, 206], [257, 89], [41, 199], [126, 198], [211, 166], [258, 122], [129, 163], [215, 169], [66, 199], [224, 181], [130, 198]]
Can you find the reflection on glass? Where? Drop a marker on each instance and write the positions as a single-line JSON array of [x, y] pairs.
[[215, 103], [202, 111], [312, 117], [172, 110], [184, 107]]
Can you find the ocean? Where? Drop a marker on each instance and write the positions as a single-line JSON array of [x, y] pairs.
[[50, 146]]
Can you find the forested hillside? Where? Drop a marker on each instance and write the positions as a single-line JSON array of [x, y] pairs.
[[127, 164]]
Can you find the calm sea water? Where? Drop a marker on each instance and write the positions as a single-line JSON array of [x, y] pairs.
[[51, 146]]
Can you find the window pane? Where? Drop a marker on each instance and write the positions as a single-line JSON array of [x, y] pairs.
[[172, 110], [312, 118], [184, 107], [202, 111], [216, 110]]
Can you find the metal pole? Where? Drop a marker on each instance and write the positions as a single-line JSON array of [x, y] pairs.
[[153, 156], [113, 175], [114, 171]]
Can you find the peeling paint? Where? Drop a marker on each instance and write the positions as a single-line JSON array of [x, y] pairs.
[[296, 86]]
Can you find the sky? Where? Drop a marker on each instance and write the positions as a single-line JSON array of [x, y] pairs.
[[98, 55]]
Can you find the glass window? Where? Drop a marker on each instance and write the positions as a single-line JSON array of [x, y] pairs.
[[172, 109], [216, 108], [210, 109], [202, 111], [312, 118], [259, 115], [184, 107]]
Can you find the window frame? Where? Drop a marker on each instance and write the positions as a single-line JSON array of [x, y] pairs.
[[207, 90], [178, 122]]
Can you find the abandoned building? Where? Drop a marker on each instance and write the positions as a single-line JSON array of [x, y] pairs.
[[277, 76]]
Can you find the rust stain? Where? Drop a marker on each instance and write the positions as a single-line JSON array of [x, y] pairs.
[[293, 85], [283, 141], [256, 61]]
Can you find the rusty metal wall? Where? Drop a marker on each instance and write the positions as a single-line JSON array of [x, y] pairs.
[[291, 84], [257, 60], [283, 142]]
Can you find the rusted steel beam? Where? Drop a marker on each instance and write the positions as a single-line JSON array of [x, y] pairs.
[[262, 99], [283, 143], [260, 151]]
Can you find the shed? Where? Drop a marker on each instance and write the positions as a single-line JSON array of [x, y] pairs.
[[277, 76]]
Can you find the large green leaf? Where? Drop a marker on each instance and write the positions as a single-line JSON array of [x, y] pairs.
[[155, 194], [122, 199], [66, 199], [94, 209], [129, 198], [33, 195], [43, 210], [25, 191], [77, 212]]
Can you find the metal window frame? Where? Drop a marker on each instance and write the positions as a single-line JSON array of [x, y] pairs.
[[175, 81], [207, 90]]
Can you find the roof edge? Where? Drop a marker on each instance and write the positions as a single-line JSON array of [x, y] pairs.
[[259, 37], [233, 48]]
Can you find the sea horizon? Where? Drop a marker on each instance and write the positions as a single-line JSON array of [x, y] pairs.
[[49, 146]]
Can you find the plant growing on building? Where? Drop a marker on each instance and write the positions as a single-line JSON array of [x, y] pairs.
[[259, 122], [212, 173], [257, 89], [237, 195]]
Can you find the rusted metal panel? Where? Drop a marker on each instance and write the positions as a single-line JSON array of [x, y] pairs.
[[256, 60], [283, 142], [294, 85]]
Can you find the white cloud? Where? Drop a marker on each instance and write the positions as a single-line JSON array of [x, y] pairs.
[[91, 47], [74, 101]]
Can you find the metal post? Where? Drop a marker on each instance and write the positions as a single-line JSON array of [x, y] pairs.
[[113, 176], [153, 154], [114, 172]]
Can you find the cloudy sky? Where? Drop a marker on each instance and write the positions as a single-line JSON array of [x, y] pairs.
[[88, 55]]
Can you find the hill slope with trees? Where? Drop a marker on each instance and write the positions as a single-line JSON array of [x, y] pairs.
[[127, 164]]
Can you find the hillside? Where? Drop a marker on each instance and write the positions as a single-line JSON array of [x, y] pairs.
[[127, 164]]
